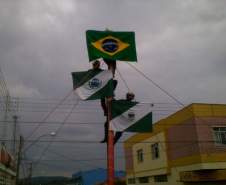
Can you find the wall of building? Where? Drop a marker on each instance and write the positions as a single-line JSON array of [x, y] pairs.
[[182, 140], [10, 148], [7, 176], [181, 148], [148, 163], [205, 133], [129, 159], [188, 146]]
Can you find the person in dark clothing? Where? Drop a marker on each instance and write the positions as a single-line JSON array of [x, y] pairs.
[[96, 65], [129, 97], [111, 65], [105, 110]]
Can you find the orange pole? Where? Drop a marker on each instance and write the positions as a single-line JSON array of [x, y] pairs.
[[110, 147]]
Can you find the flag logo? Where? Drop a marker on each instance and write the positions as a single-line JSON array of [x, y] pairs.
[[110, 45], [131, 115], [95, 83]]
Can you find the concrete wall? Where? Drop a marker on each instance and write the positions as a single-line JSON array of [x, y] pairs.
[[150, 166], [187, 145], [182, 140]]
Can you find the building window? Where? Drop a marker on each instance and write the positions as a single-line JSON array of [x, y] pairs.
[[140, 156], [131, 181], [143, 180], [160, 178], [155, 151], [220, 135]]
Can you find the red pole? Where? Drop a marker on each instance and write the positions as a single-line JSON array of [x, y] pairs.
[[110, 142], [110, 147]]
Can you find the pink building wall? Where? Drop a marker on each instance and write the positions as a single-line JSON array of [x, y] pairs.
[[193, 137], [182, 140], [204, 127], [129, 158]]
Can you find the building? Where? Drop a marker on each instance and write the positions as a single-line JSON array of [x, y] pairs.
[[93, 177], [7, 167], [9, 142], [186, 148]]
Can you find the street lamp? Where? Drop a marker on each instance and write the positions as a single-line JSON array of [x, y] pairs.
[[52, 134]]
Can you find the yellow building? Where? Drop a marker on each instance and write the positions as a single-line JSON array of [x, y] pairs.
[[186, 148]]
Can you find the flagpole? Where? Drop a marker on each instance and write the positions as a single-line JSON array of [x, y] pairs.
[[110, 141], [110, 146]]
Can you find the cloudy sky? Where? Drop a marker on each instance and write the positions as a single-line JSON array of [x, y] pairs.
[[180, 46]]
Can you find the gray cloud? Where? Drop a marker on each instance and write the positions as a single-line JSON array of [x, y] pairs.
[[180, 45]]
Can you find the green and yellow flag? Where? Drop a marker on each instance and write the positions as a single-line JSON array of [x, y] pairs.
[[111, 45]]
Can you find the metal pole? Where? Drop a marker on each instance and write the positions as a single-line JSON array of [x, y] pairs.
[[110, 147], [15, 117], [30, 175], [18, 161]]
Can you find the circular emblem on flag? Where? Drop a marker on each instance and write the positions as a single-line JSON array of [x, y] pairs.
[[131, 116], [110, 45], [95, 83]]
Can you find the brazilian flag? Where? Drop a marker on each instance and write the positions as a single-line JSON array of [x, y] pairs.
[[111, 45]]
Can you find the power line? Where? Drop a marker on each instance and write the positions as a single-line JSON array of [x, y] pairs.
[[50, 142], [117, 157], [149, 79], [101, 124], [98, 142], [91, 111], [64, 156], [47, 116]]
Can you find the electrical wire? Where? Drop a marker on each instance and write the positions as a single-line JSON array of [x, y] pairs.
[[118, 157], [47, 116], [99, 123], [98, 142], [66, 157], [50, 142], [157, 85]]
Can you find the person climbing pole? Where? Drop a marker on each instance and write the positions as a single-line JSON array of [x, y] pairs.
[[129, 97], [105, 110]]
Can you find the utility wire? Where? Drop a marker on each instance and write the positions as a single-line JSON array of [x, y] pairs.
[[98, 142], [149, 79], [117, 157], [50, 142], [66, 157], [47, 116], [98, 123]]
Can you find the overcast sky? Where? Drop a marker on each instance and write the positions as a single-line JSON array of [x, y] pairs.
[[181, 45]]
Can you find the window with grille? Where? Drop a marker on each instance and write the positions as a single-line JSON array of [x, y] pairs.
[[160, 178], [131, 181], [155, 151], [143, 180], [219, 135], [140, 156]]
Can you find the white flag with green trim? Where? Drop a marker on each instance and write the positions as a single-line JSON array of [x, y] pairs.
[[130, 116], [93, 84]]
